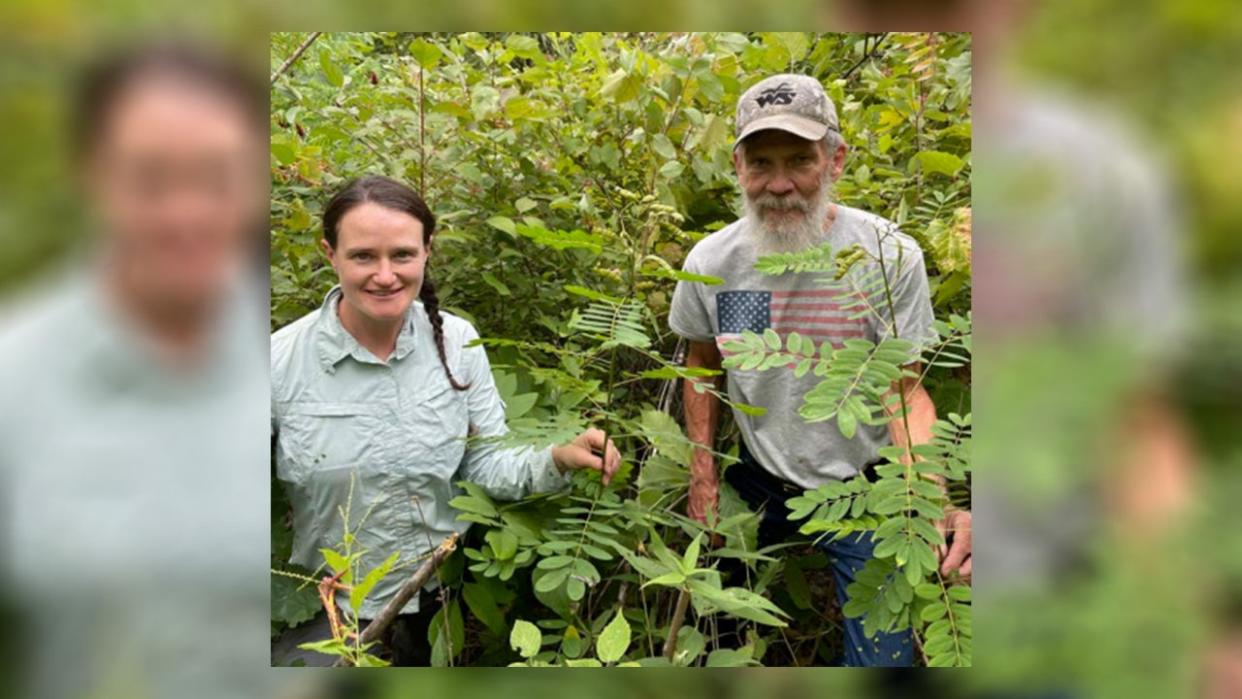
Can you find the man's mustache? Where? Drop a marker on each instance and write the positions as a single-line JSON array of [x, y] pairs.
[[789, 203]]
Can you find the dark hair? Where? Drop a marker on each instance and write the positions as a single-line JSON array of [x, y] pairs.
[[394, 195], [109, 76]]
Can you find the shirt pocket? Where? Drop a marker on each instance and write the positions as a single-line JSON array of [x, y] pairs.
[[329, 436], [441, 422]]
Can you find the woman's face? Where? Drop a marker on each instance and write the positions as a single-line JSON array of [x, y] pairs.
[[179, 180], [379, 258]]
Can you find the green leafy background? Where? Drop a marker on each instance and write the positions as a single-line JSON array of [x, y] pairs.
[[571, 174]]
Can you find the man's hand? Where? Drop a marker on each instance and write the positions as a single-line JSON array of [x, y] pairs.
[[956, 555], [584, 451]]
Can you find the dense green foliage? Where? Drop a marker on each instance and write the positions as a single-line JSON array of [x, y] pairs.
[[571, 174]]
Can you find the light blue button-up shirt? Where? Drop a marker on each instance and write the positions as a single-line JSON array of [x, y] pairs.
[[396, 430]]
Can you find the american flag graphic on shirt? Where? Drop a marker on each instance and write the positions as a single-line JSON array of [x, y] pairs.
[[823, 315]]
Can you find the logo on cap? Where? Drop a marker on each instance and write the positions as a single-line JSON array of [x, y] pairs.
[[781, 94]]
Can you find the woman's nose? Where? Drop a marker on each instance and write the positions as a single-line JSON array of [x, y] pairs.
[[385, 274]]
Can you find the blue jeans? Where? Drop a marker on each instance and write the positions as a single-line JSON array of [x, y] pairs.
[[766, 493]]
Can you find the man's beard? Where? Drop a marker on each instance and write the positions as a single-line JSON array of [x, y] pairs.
[[806, 231]]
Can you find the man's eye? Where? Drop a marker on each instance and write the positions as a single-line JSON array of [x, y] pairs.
[[361, 256], [404, 255]]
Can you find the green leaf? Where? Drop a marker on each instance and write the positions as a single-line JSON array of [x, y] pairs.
[[444, 650], [552, 580], [503, 543], [847, 423], [525, 638], [614, 640], [690, 560], [524, 46], [771, 339], [690, 645], [591, 294], [524, 204], [752, 410], [335, 561], [496, 284], [334, 74], [932, 612], [283, 153], [682, 276], [292, 603], [483, 606], [503, 223], [668, 579], [554, 562], [672, 169], [959, 593], [426, 54], [796, 585], [935, 161], [622, 86], [728, 657], [519, 405], [663, 147], [360, 590], [469, 503], [575, 588], [331, 646]]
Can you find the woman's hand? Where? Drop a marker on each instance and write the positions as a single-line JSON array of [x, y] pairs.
[[584, 452]]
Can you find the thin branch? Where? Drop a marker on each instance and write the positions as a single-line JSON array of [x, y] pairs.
[[866, 56], [296, 55], [411, 587]]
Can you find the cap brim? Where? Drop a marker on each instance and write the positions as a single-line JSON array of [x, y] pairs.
[[799, 126]]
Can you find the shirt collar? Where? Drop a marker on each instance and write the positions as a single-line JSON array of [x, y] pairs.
[[334, 343]]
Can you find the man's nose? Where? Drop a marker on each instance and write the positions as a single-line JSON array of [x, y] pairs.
[[780, 184]]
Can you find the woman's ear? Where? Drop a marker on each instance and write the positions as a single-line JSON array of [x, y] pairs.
[[328, 251]]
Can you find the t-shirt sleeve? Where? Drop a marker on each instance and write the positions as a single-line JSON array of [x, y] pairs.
[[912, 315], [688, 314]]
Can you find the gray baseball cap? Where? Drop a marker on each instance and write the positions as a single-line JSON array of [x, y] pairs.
[[793, 103]]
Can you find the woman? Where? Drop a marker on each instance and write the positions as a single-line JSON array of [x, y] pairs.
[[373, 396]]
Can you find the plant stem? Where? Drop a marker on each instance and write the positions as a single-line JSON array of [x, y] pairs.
[[679, 614], [296, 55], [408, 589]]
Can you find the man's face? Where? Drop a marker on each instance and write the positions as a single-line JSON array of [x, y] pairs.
[[785, 181], [379, 258], [178, 179]]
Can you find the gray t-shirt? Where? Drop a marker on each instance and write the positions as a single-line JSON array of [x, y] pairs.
[[811, 304]]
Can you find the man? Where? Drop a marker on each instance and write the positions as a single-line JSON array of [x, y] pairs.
[[787, 154]]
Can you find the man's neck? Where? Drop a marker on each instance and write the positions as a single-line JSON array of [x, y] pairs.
[[379, 338]]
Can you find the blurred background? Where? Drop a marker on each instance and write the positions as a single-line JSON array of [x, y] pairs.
[[1108, 376]]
